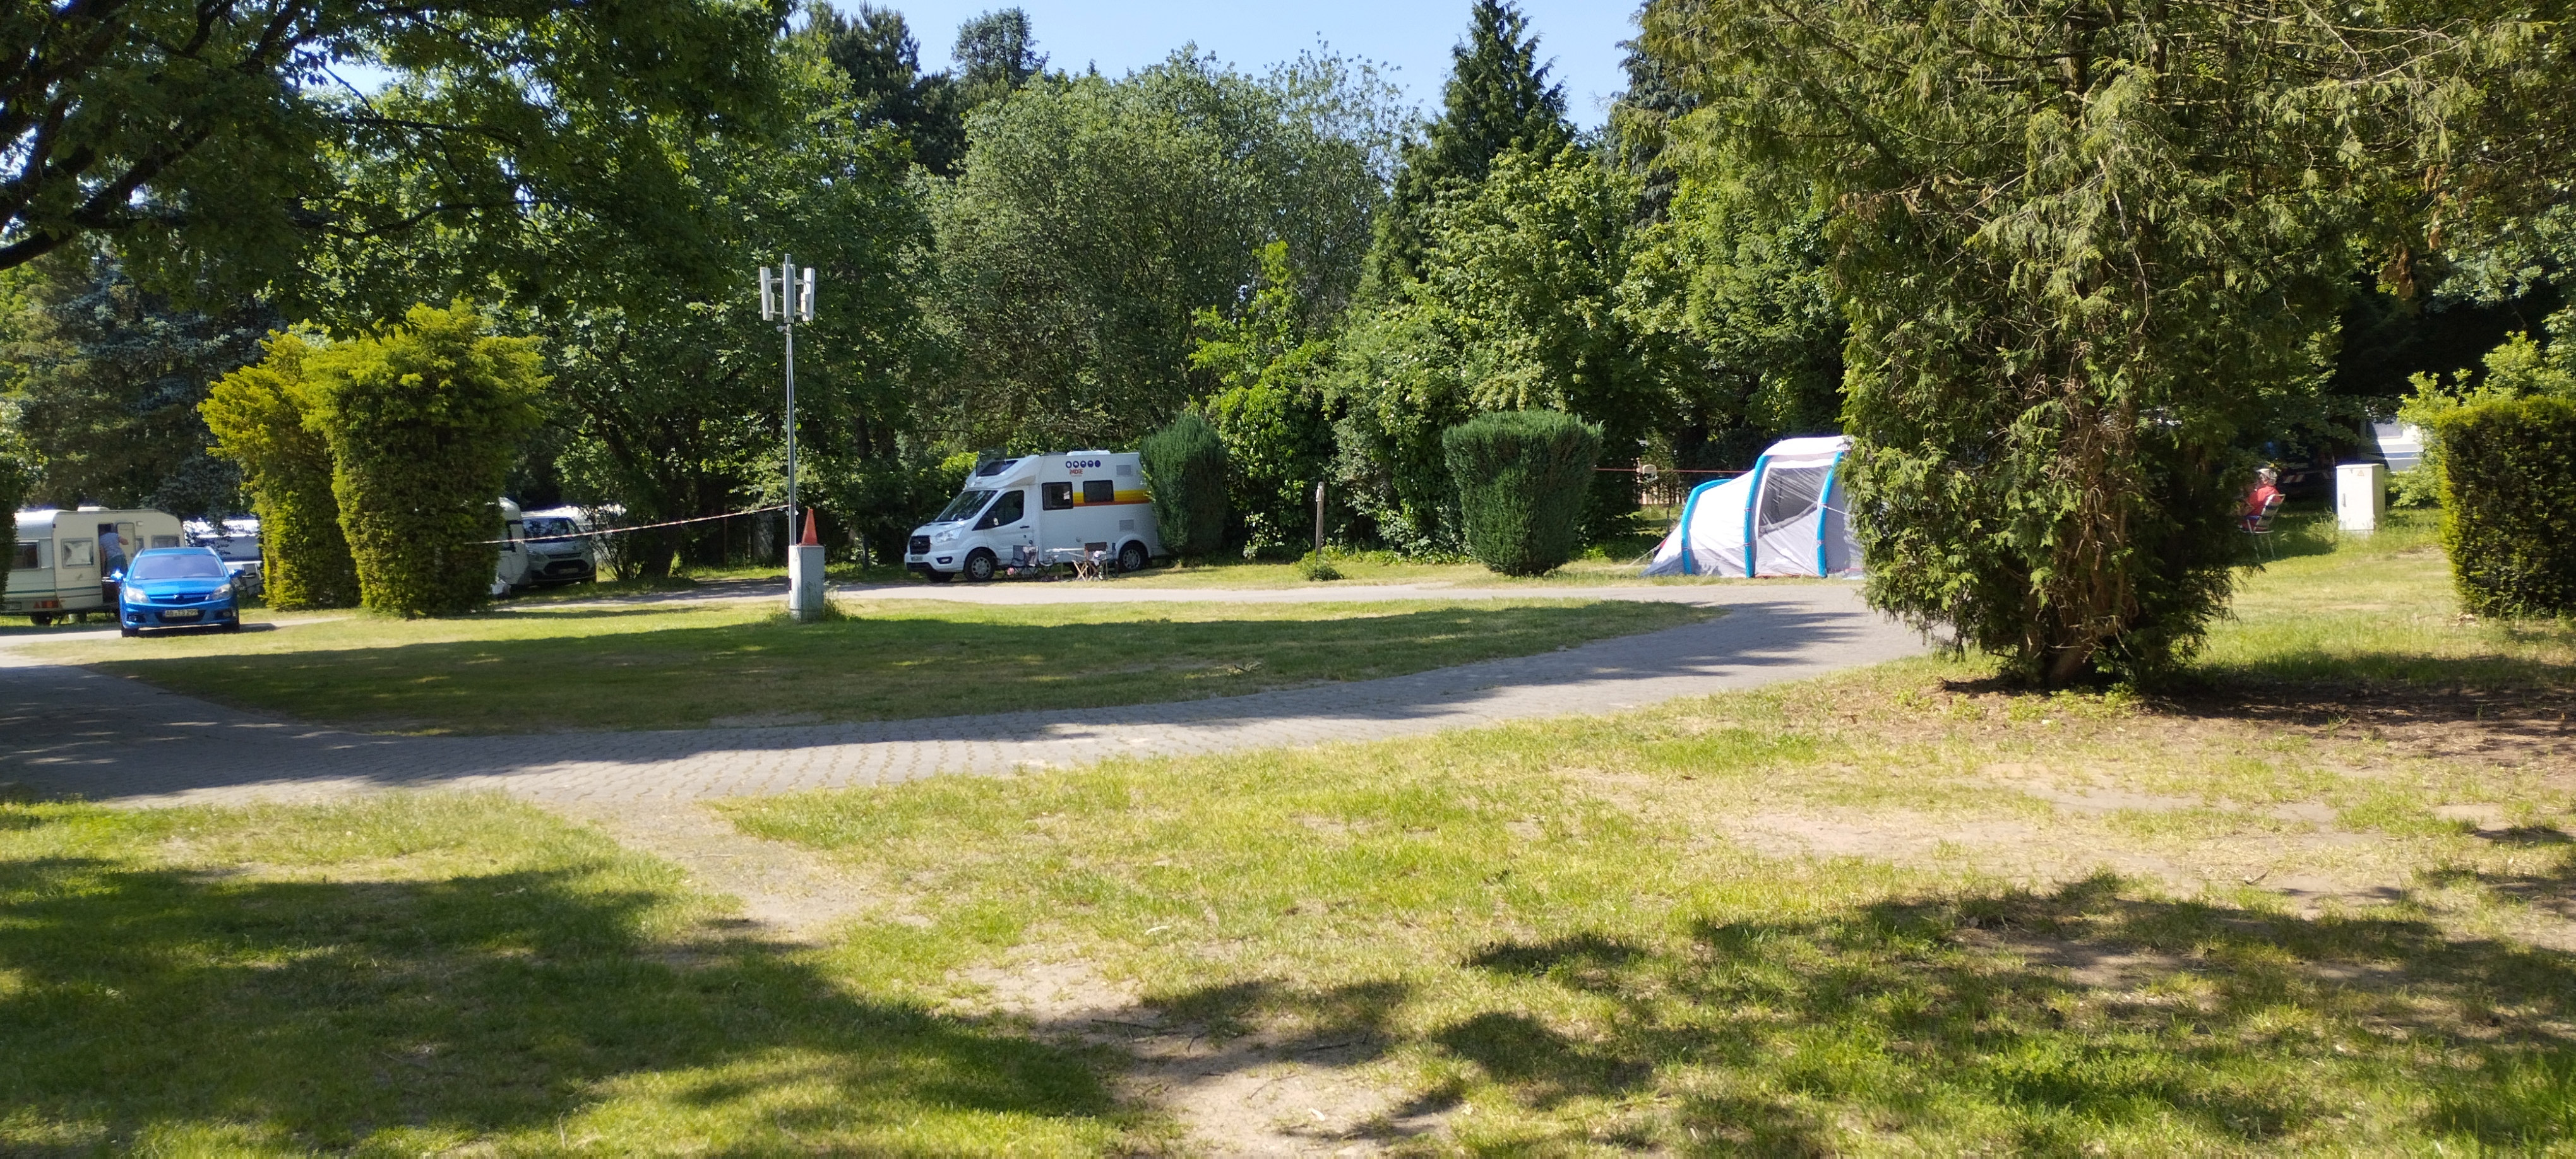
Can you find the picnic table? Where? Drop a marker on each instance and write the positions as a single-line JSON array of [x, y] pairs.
[[1087, 564]]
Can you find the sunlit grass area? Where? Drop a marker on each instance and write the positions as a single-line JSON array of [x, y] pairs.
[[1897, 911], [455, 975], [2340, 606], [540, 668]]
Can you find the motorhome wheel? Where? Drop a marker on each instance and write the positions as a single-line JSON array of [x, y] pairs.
[[1131, 557], [979, 566]]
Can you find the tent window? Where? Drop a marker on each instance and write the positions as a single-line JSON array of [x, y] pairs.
[[1791, 494]]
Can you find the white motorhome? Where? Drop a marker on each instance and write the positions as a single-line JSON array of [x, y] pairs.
[[66, 561], [1038, 511], [542, 550]]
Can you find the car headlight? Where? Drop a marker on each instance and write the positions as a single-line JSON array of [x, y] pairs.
[[948, 536], [224, 591], [132, 594]]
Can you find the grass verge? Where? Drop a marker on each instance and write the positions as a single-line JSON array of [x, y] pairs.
[[418, 975], [1895, 911], [537, 669]]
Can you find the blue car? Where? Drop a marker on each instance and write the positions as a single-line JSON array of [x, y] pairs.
[[177, 587]]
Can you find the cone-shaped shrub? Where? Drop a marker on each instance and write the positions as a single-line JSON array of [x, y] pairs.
[[258, 415], [1185, 469], [2509, 505], [424, 422], [1521, 481]]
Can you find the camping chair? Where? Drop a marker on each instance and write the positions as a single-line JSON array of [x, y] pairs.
[[2259, 525]]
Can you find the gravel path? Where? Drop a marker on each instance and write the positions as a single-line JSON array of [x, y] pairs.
[[71, 730]]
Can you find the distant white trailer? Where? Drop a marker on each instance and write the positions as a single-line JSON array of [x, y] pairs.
[[66, 562]]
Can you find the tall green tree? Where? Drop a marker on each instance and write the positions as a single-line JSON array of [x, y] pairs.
[[876, 50], [996, 53], [197, 137], [1497, 100], [261, 417], [1517, 308], [423, 422], [107, 380], [1094, 218], [2081, 247], [1267, 404]]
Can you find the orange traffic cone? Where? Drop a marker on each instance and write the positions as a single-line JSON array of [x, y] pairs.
[[809, 540]]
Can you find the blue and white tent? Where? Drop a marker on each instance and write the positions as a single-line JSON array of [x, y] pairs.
[[1782, 518]]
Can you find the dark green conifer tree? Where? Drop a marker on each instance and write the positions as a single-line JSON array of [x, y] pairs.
[[1497, 99]]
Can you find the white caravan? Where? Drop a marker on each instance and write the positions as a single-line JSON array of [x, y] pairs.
[[1037, 511], [66, 562]]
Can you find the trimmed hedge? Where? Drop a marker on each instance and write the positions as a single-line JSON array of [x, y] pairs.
[[2509, 505], [424, 422], [259, 418], [1522, 478], [1185, 470]]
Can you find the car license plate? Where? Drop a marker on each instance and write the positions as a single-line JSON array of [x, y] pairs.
[[183, 613]]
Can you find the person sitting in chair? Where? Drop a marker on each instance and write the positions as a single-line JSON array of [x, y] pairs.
[[2262, 500]]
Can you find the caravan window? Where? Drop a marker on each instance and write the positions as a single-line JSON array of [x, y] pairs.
[[966, 503], [31, 555], [1055, 496], [1006, 511], [79, 553], [1099, 491]]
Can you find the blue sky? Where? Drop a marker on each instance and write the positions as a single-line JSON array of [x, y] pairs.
[[1413, 36]]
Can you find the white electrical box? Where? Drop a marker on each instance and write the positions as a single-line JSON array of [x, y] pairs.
[[2361, 496]]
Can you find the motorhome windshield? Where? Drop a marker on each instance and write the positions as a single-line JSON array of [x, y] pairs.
[[550, 527], [993, 468], [965, 504], [190, 565]]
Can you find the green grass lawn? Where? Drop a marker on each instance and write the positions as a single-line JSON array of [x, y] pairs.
[[2304, 907], [422, 975], [537, 668], [1897, 911]]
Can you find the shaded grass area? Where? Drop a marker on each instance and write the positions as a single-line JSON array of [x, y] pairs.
[[673, 667], [418, 975], [1895, 911]]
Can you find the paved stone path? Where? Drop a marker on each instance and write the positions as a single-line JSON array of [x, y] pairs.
[[106, 738]]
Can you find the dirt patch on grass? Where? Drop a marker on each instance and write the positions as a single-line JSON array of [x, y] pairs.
[[2523, 726], [1271, 1091]]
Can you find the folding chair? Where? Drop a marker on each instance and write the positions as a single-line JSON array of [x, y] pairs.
[[2259, 525]]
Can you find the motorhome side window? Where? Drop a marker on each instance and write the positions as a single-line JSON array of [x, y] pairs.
[[31, 554], [1099, 491], [1055, 496], [1006, 510], [79, 553]]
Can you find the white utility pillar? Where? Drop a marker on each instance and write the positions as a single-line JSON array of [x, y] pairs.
[[2361, 496], [805, 585]]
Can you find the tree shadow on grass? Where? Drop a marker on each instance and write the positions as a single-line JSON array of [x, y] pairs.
[[144, 1005], [2042, 1023]]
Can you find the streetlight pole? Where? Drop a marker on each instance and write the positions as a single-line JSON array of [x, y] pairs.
[[790, 300]]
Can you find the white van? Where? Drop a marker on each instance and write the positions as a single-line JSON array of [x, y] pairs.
[[67, 561], [1038, 511], [542, 550], [236, 542]]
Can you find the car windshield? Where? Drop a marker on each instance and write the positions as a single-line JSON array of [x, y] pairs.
[[178, 565], [966, 503], [542, 528]]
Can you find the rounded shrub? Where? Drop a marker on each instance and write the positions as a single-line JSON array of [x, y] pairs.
[[423, 423], [260, 416], [1522, 477], [1185, 470], [2509, 505]]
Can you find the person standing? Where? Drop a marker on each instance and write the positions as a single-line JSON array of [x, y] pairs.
[[111, 550]]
